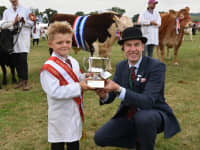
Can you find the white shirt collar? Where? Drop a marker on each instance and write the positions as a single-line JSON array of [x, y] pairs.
[[137, 65], [60, 57]]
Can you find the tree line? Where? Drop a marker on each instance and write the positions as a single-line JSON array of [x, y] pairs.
[[44, 16]]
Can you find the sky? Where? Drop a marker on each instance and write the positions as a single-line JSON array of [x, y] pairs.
[[131, 7]]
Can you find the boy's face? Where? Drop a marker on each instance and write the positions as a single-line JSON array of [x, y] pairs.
[[61, 44]]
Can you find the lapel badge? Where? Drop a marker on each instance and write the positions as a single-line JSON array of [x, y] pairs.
[[138, 78]]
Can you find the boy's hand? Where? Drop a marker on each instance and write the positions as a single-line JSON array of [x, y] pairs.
[[90, 74], [84, 85]]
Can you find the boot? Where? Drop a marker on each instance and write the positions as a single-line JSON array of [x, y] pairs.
[[137, 146], [25, 86], [19, 84]]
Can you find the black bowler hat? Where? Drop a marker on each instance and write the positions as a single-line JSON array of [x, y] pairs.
[[132, 33]]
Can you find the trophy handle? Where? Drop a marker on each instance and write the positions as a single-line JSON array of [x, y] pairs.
[[84, 61]]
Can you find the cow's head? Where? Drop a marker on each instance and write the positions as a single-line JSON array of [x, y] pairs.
[[184, 16], [172, 12], [183, 13], [123, 22]]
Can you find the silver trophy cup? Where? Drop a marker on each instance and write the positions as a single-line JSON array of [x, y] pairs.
[[98, 66]]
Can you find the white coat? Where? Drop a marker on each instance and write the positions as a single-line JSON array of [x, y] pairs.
[[36, 34], [23, 43], [64, 120], [150, 32]]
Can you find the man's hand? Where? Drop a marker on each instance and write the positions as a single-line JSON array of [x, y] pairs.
[[101, 93], [153, 23], [22, 20], [17, 19], [111, 86]]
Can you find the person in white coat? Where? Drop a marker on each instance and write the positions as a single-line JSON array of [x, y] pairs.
[[150, 22], [63, 82], [36, 34], [43, 33], [17, 14]]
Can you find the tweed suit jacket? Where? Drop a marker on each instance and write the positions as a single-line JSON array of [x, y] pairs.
[[145, 95]]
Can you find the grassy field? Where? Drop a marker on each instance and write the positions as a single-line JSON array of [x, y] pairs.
[[23, 115]]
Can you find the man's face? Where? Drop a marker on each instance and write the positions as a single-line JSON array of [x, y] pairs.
[[133, 50], [61, 44], [152, 5], [14, 3]]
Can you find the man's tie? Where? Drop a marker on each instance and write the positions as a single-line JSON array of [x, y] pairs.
[[15, 8], [133, 73], [132, 110], [132, 77], [68, 62]]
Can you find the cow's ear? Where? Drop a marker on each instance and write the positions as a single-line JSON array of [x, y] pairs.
[[187, 9]]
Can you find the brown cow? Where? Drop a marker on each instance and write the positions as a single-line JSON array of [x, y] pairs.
[[171, 36], [99, 33]]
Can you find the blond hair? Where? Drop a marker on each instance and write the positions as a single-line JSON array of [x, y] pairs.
[[62, 27]]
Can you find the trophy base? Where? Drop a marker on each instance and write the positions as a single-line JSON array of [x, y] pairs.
[[96, 83]]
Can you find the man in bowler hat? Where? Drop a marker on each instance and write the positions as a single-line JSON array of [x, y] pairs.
[[139, 84]]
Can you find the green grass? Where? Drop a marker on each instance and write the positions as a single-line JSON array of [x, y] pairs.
[[23, 115], [195, 18]]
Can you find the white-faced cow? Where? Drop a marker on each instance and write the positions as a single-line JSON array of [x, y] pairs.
[[95, 33], [188, 31], [171, 31]]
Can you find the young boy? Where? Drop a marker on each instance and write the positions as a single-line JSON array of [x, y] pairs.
[[64, 84]]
